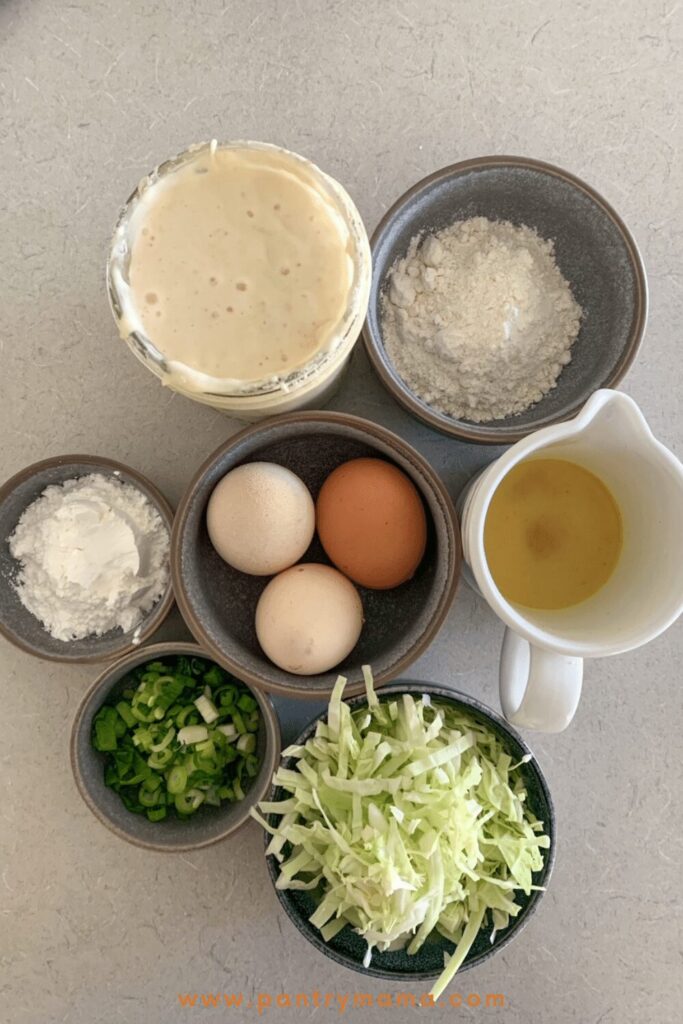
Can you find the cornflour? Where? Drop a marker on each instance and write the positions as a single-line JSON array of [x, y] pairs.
[[94, 557], [478, 319]]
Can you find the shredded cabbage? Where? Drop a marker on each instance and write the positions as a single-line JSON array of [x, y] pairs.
[[409, 816]]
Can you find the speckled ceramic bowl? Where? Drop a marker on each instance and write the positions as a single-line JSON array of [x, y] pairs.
[[16, 623], [348, 948], [594, 250], [219, 603], [209, 824]]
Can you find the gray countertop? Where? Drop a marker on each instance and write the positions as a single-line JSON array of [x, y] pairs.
[[92, 94]]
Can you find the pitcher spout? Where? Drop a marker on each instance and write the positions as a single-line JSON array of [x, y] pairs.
[[611, 417]]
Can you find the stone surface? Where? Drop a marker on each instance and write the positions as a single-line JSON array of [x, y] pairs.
[[92, 94]]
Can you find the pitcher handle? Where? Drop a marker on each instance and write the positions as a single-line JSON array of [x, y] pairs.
[[538, 689]]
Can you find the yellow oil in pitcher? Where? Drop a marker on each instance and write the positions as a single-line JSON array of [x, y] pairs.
[[553, 534]]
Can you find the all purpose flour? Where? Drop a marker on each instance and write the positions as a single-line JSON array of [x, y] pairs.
[[478, 319], [93, 554]]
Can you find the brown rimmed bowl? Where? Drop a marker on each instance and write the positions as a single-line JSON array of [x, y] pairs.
[[17, 624], [209, 824], [594, 250], [219, 602]]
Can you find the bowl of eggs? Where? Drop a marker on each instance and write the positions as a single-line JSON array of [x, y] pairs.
[[310, 545]]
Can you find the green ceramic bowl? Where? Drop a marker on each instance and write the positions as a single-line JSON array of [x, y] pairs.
[[347, 948]]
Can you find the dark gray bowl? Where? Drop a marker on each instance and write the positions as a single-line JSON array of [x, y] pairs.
[[347, 948], [18, 624], [209, 824], [594, 249], [219, 603]]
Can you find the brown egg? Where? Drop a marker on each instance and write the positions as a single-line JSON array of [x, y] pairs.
[[371, 523]]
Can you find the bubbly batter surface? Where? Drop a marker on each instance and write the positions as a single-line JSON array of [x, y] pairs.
[[241, 266]]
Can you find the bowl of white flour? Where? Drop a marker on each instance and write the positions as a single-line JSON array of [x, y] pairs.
[[505, 292], [84, 559]]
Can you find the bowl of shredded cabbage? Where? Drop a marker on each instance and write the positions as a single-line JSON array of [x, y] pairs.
[[410, 834]]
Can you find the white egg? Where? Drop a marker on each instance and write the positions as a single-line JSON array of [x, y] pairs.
[[261, 518], [308, 619]]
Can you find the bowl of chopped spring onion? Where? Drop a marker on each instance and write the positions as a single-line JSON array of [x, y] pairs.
[[409, 835], [170, 751]]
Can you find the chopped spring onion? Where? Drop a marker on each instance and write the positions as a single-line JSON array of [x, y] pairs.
[[246, 743], [187, 803], [156, 747], [193, 734], [408, 817], [183, 733], [176, 780], [123, 709], [206, 708], [228, 730]]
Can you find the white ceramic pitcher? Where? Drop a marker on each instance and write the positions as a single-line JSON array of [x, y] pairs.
[[541, 666]]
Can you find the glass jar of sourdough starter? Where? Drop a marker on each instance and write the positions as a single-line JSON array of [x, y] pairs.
[[239, 274]]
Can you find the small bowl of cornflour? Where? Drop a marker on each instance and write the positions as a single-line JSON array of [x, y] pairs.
[[84, 559], [505, 291]]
